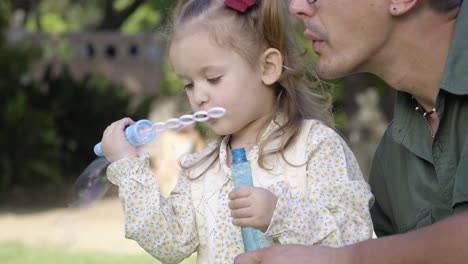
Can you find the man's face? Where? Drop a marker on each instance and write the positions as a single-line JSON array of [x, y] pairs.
[[348, 35]]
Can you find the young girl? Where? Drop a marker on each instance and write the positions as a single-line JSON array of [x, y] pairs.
[[240, 55]]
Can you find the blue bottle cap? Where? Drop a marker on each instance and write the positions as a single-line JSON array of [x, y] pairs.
[[238, 155]]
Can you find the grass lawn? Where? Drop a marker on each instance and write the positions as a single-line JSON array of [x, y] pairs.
[[16, 253]]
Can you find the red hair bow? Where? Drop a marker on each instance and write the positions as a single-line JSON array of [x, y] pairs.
[[240, 5]]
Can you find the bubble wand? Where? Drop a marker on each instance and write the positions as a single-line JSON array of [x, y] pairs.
[[144, 131], [92, 184]]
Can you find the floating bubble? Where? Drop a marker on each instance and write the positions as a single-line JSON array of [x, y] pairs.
[[91, 185]]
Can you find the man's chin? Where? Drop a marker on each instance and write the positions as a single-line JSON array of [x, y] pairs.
[[328, 76], [330, 73]]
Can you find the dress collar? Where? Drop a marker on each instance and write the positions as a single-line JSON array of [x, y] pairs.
[[252, 155]]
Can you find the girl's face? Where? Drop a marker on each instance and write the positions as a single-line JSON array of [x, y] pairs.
[[215, 75]]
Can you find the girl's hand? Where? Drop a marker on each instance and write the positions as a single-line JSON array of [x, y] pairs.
[[252, 206], [114, 144]]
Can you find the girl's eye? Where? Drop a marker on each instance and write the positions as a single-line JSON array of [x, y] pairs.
[[214, 80], [188, 86]]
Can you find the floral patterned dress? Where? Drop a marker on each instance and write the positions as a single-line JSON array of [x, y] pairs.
[[322, 199]]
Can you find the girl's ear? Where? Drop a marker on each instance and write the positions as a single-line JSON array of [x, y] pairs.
[[271, 66]]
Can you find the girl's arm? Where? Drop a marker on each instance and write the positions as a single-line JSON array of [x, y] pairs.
[[334, 209], [165, 228]]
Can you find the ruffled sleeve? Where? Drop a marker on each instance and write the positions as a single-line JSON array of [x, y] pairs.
[[165, 228], [334, 208]]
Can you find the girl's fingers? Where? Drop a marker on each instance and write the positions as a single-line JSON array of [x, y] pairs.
[[239, 203], [240, 192], [118, 126], [242, 213], [246, 221], [122, 124], [127, 121]]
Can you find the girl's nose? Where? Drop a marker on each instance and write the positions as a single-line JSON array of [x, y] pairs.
[[200, 96]]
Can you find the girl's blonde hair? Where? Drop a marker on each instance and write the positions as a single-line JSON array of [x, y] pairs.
[[265, 25]]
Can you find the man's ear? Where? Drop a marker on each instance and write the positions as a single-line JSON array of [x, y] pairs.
[[401, 7], [271, 66]]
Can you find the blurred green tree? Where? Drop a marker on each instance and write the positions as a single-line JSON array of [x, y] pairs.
[[65, 16], [50, 125]]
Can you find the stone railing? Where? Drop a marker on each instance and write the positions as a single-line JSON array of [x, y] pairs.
[[132, 60]]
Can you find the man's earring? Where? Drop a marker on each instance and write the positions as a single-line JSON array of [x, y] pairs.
[[394, 9]]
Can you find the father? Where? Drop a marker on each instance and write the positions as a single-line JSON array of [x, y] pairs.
[[420, 171]]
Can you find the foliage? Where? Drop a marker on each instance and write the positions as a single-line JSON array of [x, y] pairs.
[[144, 19], [63, 16], [15, 253], [67, 16], [4, 18], [50, 126]]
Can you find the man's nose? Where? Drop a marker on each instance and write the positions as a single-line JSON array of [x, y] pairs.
[[301, 9]]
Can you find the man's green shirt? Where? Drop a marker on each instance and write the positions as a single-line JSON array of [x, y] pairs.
[[418, 180]]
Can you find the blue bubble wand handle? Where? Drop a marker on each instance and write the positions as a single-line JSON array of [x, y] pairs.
[[242, 176], [137, 134]]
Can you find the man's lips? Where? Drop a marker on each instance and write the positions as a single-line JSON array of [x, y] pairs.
[[316, 41], [311, 36], [317, 44]]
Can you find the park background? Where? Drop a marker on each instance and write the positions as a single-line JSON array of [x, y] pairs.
[[71, 67]]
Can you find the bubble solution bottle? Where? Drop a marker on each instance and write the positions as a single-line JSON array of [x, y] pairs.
[[242, 176]]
